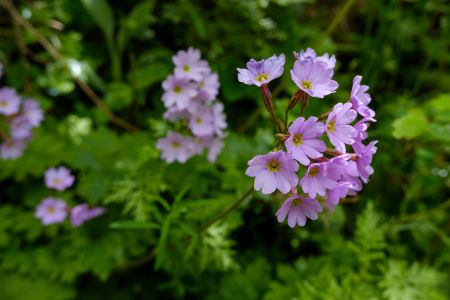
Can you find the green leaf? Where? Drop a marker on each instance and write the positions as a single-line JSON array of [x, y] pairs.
[[102, 14], [410, 125], [133, 225], [119, 96]]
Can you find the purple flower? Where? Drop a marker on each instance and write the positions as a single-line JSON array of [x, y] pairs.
[[304, 139], [51, 210], [208, 87], [360, 99], [82, 213], [178, 92], [188, 65], [338, 192], [214, 148], [313, 77], [219, 119], [330, 61], [21, 128], [361, 128], [263, 71], [202, 123], [337, 128], [298, 209], [175, 147], [275, 170], [318, 179], [33, 112], [9, 101], [12, 149], [175, 114], [58, 178], [359, 165]]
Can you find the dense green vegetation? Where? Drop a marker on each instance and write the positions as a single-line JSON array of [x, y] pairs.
[[96, 69]]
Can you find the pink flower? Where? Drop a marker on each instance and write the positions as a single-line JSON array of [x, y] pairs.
[[12, 149], [330, 61], [214, 147], [313, 77], [188, 65], [318, 179], [297, 209], [9, 101], [202, 123], [360, 99], [360, 164], [21, 128], [337, 128], [82, 213], [178, 92], [58, 178], [338, 192], [33, 112], [304, 140], [275, 170], [208, 87], [175, 147], [51, 210], [263, 71]]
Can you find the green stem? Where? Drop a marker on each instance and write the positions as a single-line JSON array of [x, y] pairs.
[[152, 254], [224, 213]]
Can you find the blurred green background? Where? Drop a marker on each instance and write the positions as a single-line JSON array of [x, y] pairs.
[[390, 242]]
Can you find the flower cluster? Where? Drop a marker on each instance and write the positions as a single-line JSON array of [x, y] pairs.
[[190, 100], [20, 117], [53, 210], [331, 173]]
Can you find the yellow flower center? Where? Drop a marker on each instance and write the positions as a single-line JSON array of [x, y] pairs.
[[273, 166], [306, 84], [331, 126], [186, 68], [297, 139], [177, 89], [176, 145], [198, 121], [262, 77], [51, 210], [56, 181], [3, 103], [313, 172], [296, 201]]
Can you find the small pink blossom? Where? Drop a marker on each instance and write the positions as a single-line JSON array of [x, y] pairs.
[[314, 78], [188, 65], [51, 210], [175, 147], [263, 71], [337, 126], [318, 179], [59, 178], [275, 170], [298, 209], [82, 213], [304, 139]]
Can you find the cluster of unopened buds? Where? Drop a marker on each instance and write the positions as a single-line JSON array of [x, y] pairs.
[[53, 210], [330, 172], [190, 100], [19, 118]]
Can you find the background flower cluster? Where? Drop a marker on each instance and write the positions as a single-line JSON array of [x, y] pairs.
[[19, 117], [190, 100], [53, 210]]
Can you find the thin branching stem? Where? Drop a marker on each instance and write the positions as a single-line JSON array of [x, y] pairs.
[[54, 53]]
